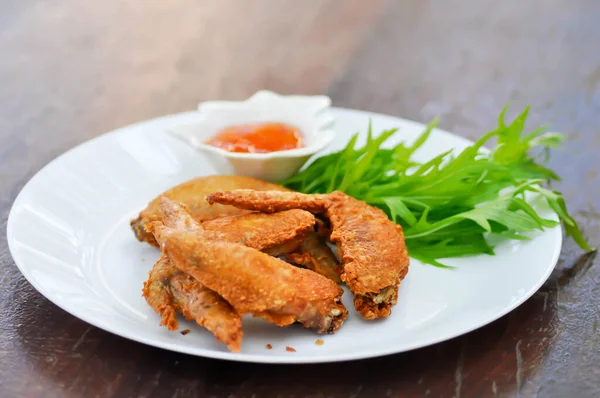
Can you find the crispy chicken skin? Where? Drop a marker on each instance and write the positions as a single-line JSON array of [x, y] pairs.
[[254, 282], [168, 291], [288, 233], [275, 234], [370, 246], [157, 292], [315, 255], [208, 309], [191, 194]]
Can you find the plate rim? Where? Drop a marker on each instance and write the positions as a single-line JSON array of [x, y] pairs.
[[261, 358]]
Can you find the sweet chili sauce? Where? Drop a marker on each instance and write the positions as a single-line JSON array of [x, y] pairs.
[[258, 138]]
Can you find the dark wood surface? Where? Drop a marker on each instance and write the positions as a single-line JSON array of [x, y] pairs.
[[72, 70]]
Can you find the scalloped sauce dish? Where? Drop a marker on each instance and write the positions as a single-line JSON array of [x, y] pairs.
[[268, 136]]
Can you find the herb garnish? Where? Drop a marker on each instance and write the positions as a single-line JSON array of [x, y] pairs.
[[450, 205]]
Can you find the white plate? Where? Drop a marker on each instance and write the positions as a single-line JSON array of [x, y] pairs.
[[68, 232]]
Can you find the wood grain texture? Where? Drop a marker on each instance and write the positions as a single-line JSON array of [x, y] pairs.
[[464, 63], [73, 70]]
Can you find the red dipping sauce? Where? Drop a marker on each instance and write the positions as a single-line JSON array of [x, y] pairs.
[[258, 138]]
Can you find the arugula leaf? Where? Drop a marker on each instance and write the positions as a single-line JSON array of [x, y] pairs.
[[449, 204]]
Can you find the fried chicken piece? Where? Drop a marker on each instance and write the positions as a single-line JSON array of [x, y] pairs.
[[287, 233], [370, 246], [275, 234], [168, 291], [254, 282], [315, 255], [208, 309], [157, 292], [191, 194]]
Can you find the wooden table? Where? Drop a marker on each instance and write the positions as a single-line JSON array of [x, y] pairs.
[[72, 70]]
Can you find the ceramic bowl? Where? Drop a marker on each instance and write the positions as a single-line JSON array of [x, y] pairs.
[[310, 114]]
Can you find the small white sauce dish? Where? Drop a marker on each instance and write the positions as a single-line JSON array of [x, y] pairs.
[[310, 114]]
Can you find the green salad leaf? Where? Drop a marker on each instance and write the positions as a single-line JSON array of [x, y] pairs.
[[452, 204]]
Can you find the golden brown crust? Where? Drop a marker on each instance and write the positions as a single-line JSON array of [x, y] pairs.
[[254, 282], [157, 292], [269, 201], [197, 302], [373, 252], [277, 233], [315, 255], [192, 194], [371, 247], [169, 291]]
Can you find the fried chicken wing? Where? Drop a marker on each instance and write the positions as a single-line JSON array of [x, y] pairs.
[[370, 246], [275, 234], [191, 194], [168, 291], [254, 282], [285, 233]]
